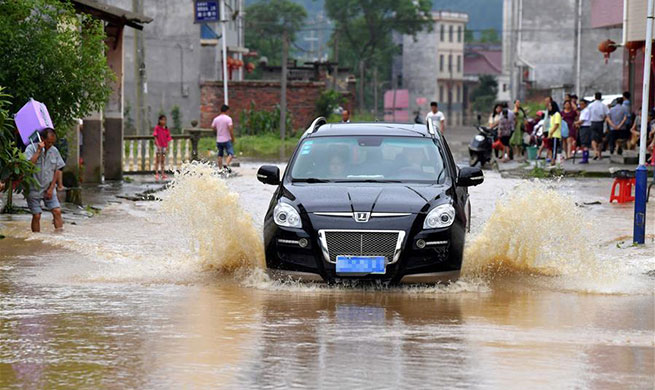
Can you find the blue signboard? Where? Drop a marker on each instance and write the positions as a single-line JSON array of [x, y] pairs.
[[206, 11]]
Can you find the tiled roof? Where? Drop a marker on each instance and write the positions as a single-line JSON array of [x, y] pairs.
[[479, 62]]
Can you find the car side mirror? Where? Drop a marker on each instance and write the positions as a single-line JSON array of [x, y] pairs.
[[470, 176], [269, 174]]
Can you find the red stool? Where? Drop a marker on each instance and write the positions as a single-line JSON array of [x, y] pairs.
[[625, 181]]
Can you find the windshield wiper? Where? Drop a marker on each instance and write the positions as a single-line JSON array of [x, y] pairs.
[[369, 181], [311, 180]]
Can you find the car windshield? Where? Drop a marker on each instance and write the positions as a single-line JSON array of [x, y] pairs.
[[368, 159]]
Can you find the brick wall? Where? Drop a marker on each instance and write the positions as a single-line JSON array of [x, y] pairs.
[[301, 99]]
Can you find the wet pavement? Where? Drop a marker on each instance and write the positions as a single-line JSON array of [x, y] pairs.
[[154, 295]]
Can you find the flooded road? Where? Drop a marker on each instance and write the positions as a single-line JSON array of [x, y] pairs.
[[155, 295]]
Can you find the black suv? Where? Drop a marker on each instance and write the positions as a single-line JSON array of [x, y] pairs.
[[372, 201]]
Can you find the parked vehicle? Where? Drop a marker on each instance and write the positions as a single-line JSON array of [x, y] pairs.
[[482, 146], [368, 201]]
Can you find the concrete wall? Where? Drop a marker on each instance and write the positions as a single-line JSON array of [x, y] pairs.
[[176, 63], [547, 41]]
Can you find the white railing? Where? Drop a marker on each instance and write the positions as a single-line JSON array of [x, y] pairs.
[[139, 153]]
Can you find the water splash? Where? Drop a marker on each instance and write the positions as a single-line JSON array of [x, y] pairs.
[[534, 230], [207, 213]]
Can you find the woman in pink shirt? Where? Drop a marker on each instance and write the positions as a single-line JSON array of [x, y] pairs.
[[162, 138]]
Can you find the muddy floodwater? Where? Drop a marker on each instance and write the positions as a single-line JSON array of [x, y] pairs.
[[171, 295]]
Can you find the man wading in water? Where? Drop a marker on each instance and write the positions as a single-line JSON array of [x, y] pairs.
[[48, 161]]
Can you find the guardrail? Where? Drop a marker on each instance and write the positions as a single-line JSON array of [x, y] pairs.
[[139, 153]]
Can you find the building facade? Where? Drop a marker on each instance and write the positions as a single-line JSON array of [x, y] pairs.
[[543, 42], [166, 63], [432, 66]]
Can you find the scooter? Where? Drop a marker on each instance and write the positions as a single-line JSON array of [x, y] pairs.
[[481, 146]]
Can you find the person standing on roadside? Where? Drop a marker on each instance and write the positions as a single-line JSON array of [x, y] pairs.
[[224, 128], [516, 140], [437, 117], [569, 116], [616, 119], [505, 128], [48, 161], [162, 138], [584, 135], [555, 130], [345, 116], [597, 113]]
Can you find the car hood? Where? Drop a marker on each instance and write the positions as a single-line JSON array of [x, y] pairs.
[[364, 197]]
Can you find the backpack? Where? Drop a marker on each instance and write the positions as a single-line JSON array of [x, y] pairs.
[[565, 129]]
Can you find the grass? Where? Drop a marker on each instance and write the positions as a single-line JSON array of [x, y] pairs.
[[257, 146]]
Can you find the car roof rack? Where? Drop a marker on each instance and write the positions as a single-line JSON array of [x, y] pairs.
[[318, 122]]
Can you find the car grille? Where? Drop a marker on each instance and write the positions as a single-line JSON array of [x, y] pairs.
[[365, 243]]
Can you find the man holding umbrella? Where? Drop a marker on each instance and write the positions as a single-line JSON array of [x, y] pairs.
[[47, 159]]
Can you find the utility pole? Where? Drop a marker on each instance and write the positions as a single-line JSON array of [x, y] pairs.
[[375, 93], [140, 75], [283, 84], [578, 48], [224, 39], [335, 74], [639, 231]]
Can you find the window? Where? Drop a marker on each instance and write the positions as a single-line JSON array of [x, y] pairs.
[[459, 63], [450, 62], [441, 63], [504, 87], [442, 33], [459, 93], [441, 93], [459, 33], [368, 158], [450, 33]]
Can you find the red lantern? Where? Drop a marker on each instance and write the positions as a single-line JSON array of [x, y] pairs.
[[607, 47], [633, 47]]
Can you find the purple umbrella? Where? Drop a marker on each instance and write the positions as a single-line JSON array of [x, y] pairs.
[[31, 118]]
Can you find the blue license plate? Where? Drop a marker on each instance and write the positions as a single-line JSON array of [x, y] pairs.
[[361, 264]]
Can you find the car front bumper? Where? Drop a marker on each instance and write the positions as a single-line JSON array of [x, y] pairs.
[[439, 261]]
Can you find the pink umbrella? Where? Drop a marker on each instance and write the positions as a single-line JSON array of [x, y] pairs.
[[32, 117]]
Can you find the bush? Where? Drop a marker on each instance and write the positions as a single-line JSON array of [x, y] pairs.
[[328, 101], [176, 117], [255, 122], [15, 170]]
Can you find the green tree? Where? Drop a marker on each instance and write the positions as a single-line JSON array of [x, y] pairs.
[[484, 95], [14, 167], [328, 101], [278, 20], [364, 29], [50, 53], [489, 35]]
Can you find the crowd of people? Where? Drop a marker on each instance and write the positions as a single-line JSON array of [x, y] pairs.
[[579, 125]]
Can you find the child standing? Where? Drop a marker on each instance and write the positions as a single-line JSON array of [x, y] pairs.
[[162, 138]]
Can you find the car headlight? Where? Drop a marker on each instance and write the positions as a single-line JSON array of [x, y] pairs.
[[286, 215], [440, 217]]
